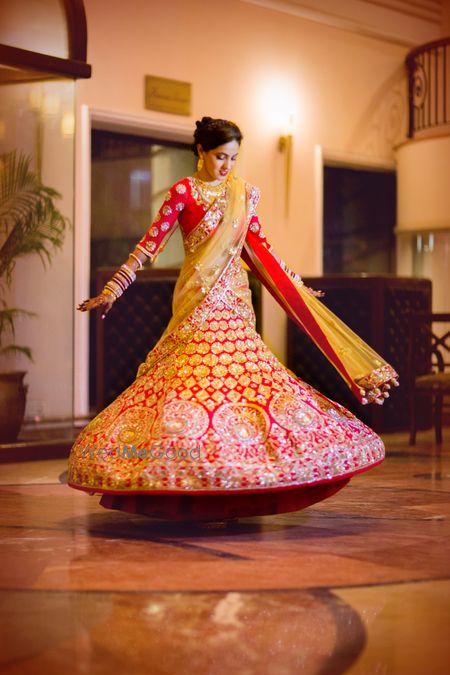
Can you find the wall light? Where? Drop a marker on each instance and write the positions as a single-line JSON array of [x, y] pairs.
[[285, 143], [68, 124]]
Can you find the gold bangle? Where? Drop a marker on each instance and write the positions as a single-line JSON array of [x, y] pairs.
[[108, 291], [141, 266]]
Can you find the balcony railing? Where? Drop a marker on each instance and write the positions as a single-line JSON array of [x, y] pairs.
[[429, 88]]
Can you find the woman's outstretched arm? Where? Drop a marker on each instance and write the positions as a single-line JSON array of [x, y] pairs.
[[148, 248]]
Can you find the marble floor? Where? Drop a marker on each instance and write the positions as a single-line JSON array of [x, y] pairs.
[[357, 584]]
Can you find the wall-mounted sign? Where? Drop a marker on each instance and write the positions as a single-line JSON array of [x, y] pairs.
[[165, 95]]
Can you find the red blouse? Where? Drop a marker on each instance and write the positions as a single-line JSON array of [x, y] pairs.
[[186, 204]]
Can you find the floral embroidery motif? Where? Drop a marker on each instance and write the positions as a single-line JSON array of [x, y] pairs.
[[253, 197], [184, 418], [104, 419], [207, 225], [241, 423], [133, 427], [291, 413], [165, 226], [167, 210], [153, 231], [180, 188]]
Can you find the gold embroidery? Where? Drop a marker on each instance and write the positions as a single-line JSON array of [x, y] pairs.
[[183, 418], [133, 427], [212, 387], [290, 412], [241, 423], [205, 228], [204, 194]]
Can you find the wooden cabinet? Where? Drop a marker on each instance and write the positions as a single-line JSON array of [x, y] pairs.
[[378, 308]]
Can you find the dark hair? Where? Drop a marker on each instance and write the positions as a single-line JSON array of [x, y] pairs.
[[210, 133]]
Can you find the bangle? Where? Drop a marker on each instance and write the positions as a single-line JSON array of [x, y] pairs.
[[141, 266], [119, 283], [107, 291], [128, 271]]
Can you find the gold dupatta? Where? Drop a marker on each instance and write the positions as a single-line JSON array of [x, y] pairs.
[[366, 368], [210, 248], [366, 373]]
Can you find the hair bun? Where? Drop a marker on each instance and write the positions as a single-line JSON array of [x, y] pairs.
[[203, 122]]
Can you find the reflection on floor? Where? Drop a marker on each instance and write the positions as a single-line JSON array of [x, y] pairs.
[[358, 584]]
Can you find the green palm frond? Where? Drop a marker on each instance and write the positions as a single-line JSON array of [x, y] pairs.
[[7, 318], [16, 349], [29, 220], [29, 223]]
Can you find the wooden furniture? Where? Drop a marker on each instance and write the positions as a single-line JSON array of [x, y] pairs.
[[429, 366], [378, 308]]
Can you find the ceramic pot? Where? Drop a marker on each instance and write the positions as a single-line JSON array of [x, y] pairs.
[[12, 405]]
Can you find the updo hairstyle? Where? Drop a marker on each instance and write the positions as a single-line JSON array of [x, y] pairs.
[[210, 133]]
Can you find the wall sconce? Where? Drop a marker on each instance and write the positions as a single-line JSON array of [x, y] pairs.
[[68, 125], [285, 146]]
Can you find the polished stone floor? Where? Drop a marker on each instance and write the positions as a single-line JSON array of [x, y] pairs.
[[358, 584]]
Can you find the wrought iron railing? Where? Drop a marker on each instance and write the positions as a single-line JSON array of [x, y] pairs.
[[429, 86]]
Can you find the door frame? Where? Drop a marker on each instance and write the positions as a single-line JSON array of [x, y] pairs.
[[89, 118]]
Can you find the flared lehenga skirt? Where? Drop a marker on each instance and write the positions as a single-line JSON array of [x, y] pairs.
[[219, 428]]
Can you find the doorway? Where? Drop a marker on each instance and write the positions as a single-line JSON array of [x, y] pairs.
[[359, 215], [130, 174]]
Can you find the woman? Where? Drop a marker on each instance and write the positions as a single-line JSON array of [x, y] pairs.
[[214, 426]]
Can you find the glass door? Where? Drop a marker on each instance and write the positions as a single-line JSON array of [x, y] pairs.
[[37, 129]]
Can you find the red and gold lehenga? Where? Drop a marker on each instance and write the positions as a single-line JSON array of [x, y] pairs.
[[214, 426]]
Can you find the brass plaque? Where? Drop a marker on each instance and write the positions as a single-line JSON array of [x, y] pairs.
[[171, 96]]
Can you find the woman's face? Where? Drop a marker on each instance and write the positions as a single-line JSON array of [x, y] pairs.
[[217, 163]]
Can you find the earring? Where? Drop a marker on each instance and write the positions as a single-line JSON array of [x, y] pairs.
[[200, 164]]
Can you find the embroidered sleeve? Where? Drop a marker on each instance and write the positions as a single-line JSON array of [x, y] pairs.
[[255, 235], [253, 197], [164, 225]]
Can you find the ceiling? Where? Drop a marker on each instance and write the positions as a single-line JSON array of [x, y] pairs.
[[406, 22]]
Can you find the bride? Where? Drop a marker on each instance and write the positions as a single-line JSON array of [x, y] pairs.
[[214, 426]]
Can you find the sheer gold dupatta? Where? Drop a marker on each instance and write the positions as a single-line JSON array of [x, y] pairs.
[[210, 248], [366, 373], [367, 369]]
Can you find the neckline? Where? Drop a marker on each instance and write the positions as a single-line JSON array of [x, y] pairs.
[[210, 184]]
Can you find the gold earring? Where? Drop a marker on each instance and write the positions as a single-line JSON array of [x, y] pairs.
[[200, 164]]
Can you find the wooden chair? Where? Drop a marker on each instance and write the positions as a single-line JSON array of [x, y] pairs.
[[429, 366]]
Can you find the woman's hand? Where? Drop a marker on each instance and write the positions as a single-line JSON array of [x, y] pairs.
[[103, 300], [379, 394], [312, 291]]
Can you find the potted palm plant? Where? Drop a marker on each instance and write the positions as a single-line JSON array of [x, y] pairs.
[[30, 224]]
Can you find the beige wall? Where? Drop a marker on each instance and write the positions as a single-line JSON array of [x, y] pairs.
[[426, 164], [38, 25], [255, 66], [423, 214]]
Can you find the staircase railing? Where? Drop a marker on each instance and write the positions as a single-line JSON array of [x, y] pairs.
[[428, 69]]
